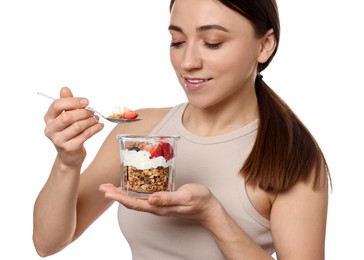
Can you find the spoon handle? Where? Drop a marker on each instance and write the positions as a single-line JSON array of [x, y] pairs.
[[45, 95]]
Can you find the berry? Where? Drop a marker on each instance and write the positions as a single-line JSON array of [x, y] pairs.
[[167, 151], [157, 151], [129, 114], [163, 149]]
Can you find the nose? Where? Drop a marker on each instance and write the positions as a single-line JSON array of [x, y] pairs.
[[191, 59]]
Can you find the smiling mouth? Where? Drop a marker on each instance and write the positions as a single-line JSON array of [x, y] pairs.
[[195, 83], [195, 80]]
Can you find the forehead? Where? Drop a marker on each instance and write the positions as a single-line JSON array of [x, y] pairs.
[[190, 14]]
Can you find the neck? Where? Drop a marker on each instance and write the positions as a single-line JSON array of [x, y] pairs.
[[220, 118]]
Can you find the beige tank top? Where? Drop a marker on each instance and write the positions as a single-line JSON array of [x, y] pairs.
[[214, 162]]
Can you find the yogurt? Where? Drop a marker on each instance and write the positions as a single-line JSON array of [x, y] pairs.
[[141, 160]]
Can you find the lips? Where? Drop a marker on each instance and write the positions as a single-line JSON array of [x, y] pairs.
[[195, 83]]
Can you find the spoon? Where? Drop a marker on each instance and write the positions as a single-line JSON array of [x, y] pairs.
[[114, 120]]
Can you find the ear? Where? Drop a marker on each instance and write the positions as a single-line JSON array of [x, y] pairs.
[[267, 46]]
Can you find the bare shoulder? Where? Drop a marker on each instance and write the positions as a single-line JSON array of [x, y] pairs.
[[153, 114], [298, 220]]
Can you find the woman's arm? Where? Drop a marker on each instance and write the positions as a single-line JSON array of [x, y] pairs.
[[68, 126], [69, 201], [298, 219], [196, 202], [298, 223]]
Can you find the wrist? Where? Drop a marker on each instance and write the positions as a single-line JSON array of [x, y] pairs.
[[214, 213], [67, 168]]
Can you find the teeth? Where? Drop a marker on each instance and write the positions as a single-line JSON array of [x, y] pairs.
[[195, 81]]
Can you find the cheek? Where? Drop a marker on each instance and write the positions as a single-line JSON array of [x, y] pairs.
[[243, 52], [176, 64], [175, 60], [224, 66], [240, 63]]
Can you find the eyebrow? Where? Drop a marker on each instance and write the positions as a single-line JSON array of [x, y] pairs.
[[202, 28], [212, 27]]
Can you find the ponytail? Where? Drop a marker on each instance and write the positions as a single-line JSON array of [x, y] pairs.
[[284, 152]]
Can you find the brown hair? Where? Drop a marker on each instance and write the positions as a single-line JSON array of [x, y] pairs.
[[284, 152]]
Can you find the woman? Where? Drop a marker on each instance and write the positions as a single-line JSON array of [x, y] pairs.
[[251, 179]]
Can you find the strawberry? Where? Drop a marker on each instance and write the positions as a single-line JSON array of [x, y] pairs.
[[129, 114], [167, 151], [156, 152]]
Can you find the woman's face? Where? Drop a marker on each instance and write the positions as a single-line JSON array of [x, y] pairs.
[[214, 51]]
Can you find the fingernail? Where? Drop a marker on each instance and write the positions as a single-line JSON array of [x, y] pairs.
[[154, 200], [83, 101]]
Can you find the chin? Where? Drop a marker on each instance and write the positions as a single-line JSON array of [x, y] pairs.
[[201, 102]]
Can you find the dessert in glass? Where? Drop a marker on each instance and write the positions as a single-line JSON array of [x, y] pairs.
[[148, 163]]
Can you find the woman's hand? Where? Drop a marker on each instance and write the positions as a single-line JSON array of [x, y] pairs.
[[189, 201], [69, 125]]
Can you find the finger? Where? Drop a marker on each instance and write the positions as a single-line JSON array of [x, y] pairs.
[[65, 92], [80, 119], [114, 193], [78, 141], [169, 198], [107, 188], [110, 191], [64, 103], [75, 135], [78, 102]]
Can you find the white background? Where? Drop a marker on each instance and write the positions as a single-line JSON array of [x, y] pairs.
[[116, 53]]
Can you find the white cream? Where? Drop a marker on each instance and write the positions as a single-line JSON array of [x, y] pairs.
[[118, 110], [141, 161]]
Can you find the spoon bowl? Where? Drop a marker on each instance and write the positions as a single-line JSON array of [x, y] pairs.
[[114, 120]]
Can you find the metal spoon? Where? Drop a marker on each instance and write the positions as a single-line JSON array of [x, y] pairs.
[[114, 120]]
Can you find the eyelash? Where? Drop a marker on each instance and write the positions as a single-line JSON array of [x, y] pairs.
[[176, 44], [213, 46]]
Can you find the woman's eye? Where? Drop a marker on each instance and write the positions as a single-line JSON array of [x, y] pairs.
[[176, 44], [213, 45]]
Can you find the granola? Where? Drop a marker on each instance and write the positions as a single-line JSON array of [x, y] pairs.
[[146, 181]]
